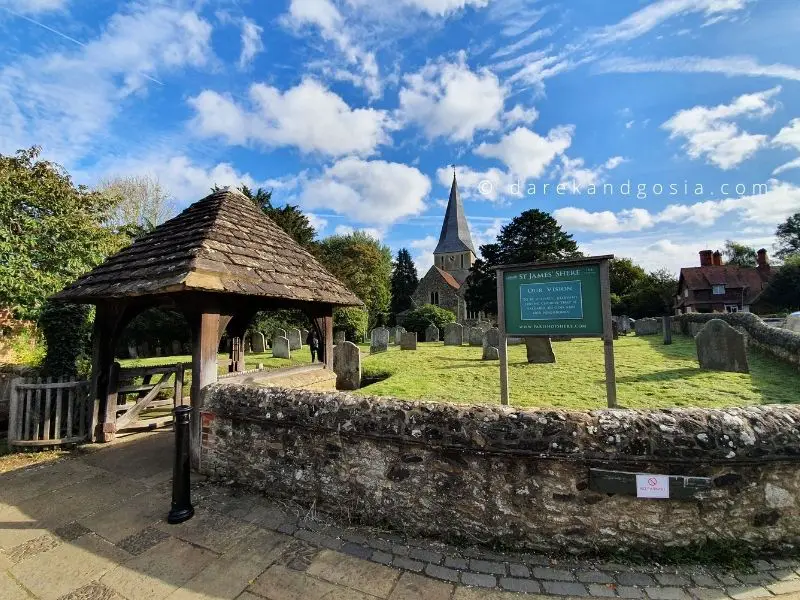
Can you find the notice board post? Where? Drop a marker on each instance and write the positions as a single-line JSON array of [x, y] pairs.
[[570, 297]]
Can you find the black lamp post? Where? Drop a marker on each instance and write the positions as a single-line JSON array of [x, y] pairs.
[[182, 509]]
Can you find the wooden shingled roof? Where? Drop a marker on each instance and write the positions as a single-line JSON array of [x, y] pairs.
[[224, 243]]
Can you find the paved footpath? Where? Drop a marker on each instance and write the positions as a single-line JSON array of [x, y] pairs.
[[92, 527]]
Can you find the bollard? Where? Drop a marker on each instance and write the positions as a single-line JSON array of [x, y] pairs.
[[182, 509], [667, 326]]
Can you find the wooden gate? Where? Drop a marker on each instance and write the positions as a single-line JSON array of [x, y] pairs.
[[126, 404], [48, 412]]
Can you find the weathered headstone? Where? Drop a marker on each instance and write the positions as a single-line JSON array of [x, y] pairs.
[[347, 366], [475, 336], [666, 325], [432, 333], [279, 333], [145, 349], [491, 353], [491, 343], [339, 336], [721, 348], [793, 322], [281, 348], [615, 330], [379, 341], [304, 334], [175, 347], [159, 352], [453, 334], [132, 353], [258, 342], [648, 326], [398, 336], [624, 325], [408, 340], [295, 342], [483, 325], [694, 328], [539, 350]]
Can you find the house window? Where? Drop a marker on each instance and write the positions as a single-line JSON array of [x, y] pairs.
[[686, 293], [731, 308], [435, 298], [718, 290], [462, 261]]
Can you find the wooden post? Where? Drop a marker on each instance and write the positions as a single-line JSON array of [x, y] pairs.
[[112, 397], [15, 412], [501, 325], [205, 341], [608, 335], [106, 323], [327, 324], [179, 374]]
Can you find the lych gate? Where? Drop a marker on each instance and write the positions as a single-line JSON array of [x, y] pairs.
[[219, 262]]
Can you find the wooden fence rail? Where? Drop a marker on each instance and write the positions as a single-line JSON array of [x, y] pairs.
[[48, 412]]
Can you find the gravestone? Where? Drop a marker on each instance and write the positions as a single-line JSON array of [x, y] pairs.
[[453, 334], [398, 336], [491, 343], [295, 342], [279, 333], [721, 348], [483, 326], [258, 342], [432, 333], [615, 330], [624, 325], [347, 366], [281, 348], [694, 328], [132, 353], [515, 341], [408, 340], [145, 349], [793, 322], [666, 325], [379, 341], [158, 351], [475, 336], [339, 337], [304, 335], [648, 327], [539, 350], [175, 347]]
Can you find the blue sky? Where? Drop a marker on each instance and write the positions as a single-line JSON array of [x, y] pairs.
[[355, 109]]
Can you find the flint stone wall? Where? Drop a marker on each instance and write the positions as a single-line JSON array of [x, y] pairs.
[[517, 479]]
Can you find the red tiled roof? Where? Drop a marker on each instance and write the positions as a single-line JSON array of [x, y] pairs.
[[451, 281], [732, 277]]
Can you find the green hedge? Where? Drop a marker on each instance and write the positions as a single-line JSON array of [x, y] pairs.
[[755, 327], [67, 329]]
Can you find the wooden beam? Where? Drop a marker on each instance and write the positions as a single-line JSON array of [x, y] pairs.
[[108, 319], [205, 341], [608, 334]]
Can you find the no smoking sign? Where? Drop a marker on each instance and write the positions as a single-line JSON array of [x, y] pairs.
[[652, 486]]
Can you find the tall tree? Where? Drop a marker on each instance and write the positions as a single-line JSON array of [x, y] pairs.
[[740, 255], [288, 217], [783, 290], [651, 296], [623, 274], [364, 265], [140, 203], [533, 236], [404, 281], [788, 234], [51, 231]]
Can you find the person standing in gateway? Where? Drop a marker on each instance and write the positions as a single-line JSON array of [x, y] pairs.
[[313, 344]]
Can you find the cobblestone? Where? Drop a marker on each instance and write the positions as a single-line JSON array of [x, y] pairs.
[[748, 592], [403, 562], [357, 550], [456, 562], [639, 579], [384, 558], [487, 566], [707, 594], [561, 588], [479, 580], [594, 577], [440, 572], [703, 580], [425, 555], [516, 570], [785, 587], [526, 586], [671, 579], [629, 591], [666, 593], [553, 574], [603, 591]]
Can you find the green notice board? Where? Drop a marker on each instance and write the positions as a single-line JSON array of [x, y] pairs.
[[553, 301]]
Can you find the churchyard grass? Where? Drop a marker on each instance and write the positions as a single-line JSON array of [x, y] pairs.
[[649, 375], [300, 357]]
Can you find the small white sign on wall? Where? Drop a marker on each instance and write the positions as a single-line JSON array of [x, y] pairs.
[[652, 486]]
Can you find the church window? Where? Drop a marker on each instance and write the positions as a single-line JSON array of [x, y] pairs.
[[435, 298], [462, 261]]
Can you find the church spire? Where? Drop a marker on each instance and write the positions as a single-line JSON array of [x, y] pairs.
[[455, 236]]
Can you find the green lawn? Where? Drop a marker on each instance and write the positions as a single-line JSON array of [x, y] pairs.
[[251, 361], [649, 375]]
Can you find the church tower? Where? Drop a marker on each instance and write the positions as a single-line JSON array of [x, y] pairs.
[[455, 253]]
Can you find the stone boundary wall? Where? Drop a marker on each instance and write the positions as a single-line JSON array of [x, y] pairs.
[[516, 479], [779, 343]]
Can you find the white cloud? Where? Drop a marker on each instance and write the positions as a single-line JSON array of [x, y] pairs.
[[374, 192], [33, 7], [780, 201], [730, 66], [318, 223], [324, 15], [526, 153], [373, 232], [651, 16], [423, 253], [251, 42], [574, 173], [308, 116], [440, 8], [788, 137], [450, 100], [63, 100], [711, 133], [523, 42], [520, 114], [491, 184]]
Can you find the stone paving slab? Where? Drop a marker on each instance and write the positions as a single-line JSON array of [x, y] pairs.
[[103, 536]]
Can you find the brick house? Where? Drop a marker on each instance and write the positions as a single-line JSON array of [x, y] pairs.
[[444, 283], [717, 287]]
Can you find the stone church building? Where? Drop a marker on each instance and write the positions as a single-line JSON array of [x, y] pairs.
[[444, 283]]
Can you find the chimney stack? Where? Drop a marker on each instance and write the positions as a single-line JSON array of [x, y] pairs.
[[763, 260], [706, 258], [717, 258]]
